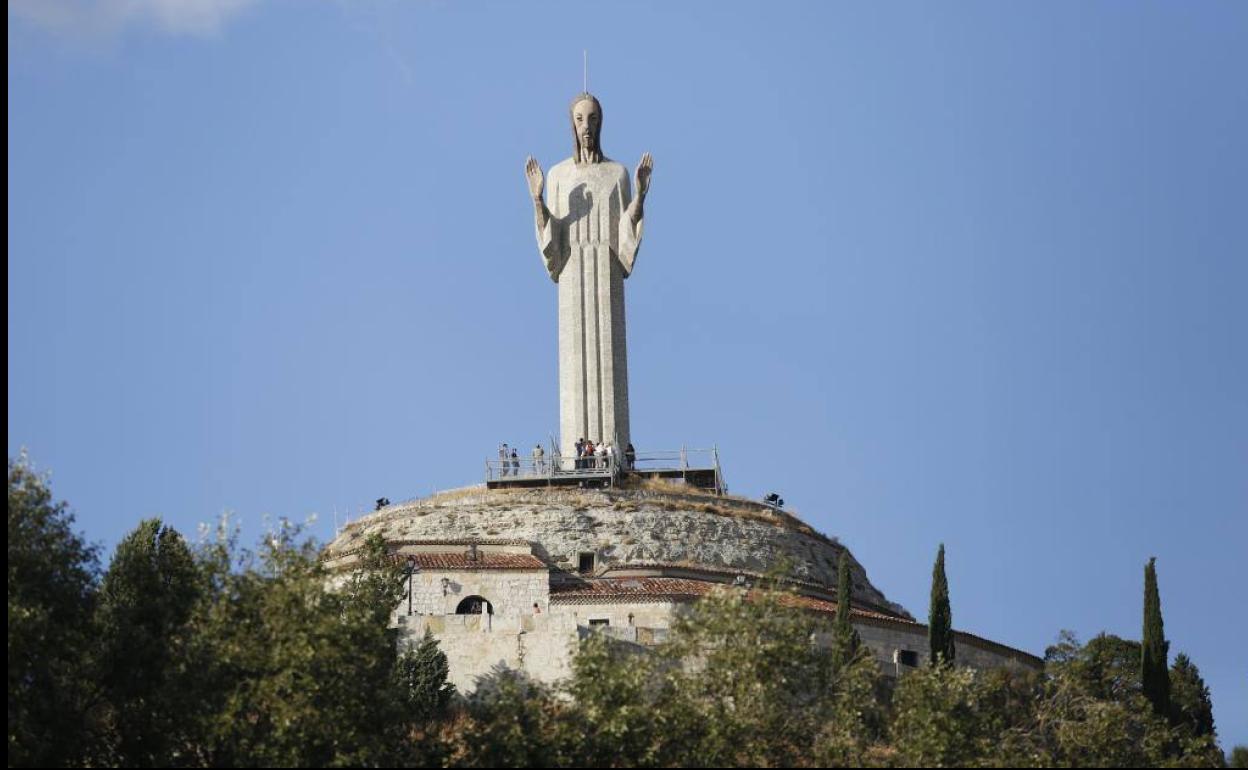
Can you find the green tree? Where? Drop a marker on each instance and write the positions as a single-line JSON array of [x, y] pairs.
[[1189, 697], [52, 577], [938, 721], [298, 664], [745, 679], [1239, 757], [421, 675], [1093, 713], [512, 721], [617, 702], [146, 600], [1106, 668], [753, 682], [424, 697], [845, 641], [940, 616], [1154, 670]]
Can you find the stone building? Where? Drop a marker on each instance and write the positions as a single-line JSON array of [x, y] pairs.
[[515, 577]]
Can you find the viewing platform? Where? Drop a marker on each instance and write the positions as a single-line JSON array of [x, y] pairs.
[[696, 467]]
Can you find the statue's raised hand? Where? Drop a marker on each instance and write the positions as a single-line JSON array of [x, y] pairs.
[[533, 172], [643, 175]]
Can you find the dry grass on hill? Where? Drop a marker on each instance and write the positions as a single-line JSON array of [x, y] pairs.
[[632, 495]]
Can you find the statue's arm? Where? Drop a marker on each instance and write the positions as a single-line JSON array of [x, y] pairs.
[[636, 207], [549, 240], [633, 220], [533, 174]]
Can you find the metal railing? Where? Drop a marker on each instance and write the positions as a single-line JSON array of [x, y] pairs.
[[551, 465], [677, 459]]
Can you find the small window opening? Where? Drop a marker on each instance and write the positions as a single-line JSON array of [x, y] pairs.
[[908, 658], [586, 563], [599, 622]]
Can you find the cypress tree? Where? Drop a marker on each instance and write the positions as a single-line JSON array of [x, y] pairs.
[[421, 674], [939, 616], [846, 638], [1154, 670]]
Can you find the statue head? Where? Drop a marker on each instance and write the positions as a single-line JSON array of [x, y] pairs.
[[586, 114]]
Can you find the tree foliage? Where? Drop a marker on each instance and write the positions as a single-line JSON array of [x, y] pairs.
[[743, 680], [212, 655], [299, 672], [1189, 697], [421, 676], [940, 616], [218, 656], [845, 639], [141, 626], [1154, 670], [52, 575]]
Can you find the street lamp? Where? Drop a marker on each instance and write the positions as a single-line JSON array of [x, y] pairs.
[[411, 570]]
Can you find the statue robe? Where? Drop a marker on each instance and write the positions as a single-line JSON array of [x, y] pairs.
[[589, 245]]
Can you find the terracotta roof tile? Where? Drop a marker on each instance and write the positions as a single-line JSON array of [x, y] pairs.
[[658, 588], [662, 588], [630, 587], [462, 562]]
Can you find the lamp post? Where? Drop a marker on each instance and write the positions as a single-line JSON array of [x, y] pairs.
[[411, 570]]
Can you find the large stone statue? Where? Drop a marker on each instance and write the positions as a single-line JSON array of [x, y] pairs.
[[588, 230]]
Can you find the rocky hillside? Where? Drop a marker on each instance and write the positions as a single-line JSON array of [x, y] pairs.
[[652, 524]]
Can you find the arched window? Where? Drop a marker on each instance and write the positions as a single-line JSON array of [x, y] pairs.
[[474, 605]]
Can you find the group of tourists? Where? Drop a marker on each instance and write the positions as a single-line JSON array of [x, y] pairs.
[[508, 460], [602, 456], [589, 456]]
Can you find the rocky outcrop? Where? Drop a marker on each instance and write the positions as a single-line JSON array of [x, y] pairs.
[[653, 525]]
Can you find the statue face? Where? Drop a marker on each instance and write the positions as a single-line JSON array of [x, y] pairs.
[[586, 121]]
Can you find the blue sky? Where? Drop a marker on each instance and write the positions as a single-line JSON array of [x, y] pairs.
[[973, 274]]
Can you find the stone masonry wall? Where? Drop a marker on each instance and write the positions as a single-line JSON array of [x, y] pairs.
[[542, 645], [511, 593]]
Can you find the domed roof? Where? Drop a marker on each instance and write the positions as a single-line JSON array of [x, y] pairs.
[[655, 526]]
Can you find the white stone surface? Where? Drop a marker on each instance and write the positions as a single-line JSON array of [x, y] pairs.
[[589, 245], [624, 526]]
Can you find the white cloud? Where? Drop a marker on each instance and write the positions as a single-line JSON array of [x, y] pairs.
[[107, 18]]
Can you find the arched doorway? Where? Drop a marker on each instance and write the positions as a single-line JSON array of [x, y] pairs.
[[474, 605]]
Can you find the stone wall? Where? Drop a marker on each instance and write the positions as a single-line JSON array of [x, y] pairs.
[[538, 645], [885, 638], [510, 593], [542, 644]]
